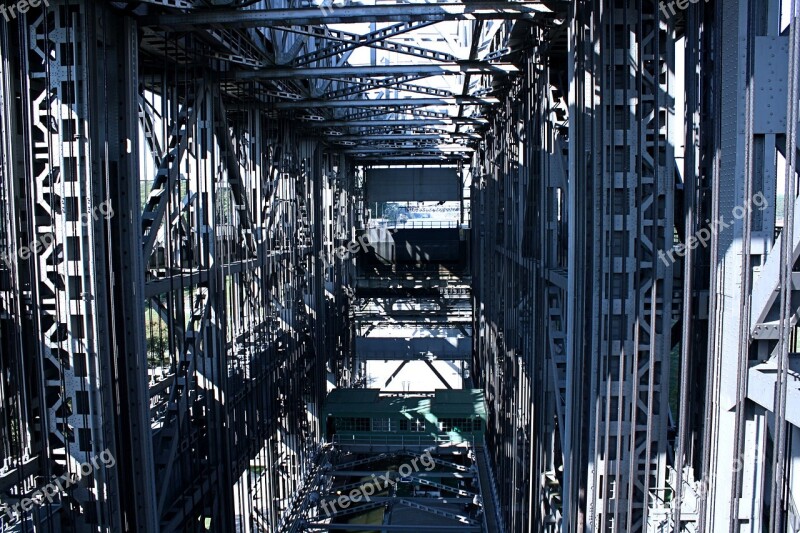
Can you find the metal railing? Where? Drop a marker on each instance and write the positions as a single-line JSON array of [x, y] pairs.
[[400, 440], [415, 223]]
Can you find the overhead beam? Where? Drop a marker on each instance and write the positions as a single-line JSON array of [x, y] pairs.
[[385, 102], [347, 41], [381, 71], [389, 527], [762, 381], [253, 18], [412, 149], [357, 86], [399, 349], [418, 159], [421, 159], [362, 86], [392, 132], [407, 114], [402, 137], [416, 122]]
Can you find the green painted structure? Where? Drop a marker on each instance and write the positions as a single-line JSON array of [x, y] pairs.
[[442, 416]]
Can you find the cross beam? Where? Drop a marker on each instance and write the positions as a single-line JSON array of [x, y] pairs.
[[377, 39], [391, 132], [446, 11], [378, 71], [415, 122], [389, 527], [401, 137], [384, 102], [413, 149], [415, 160]]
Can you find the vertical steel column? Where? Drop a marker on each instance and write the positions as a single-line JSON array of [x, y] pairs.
[[621, 194], [65, 136], [24, 439], [736, 440], [117, 105]]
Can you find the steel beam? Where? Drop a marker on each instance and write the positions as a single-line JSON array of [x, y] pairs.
[[377, 71], [362, 86], [481, 10], [388, 137], [383, 102], [456, 148], [420, 159], [389, 527], [378, 39], [358, 86], [621, 216], [417, 122]]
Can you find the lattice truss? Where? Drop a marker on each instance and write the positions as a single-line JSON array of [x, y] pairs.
[[232, 278], [54, 214], [251, 188], [601, 399], [629, 175], [519, 197], [339, 471], [192, 331]]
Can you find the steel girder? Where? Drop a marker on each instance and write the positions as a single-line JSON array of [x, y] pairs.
[[442, 137], [267, 246], [753, 292], [386, 102], [505, 263], [358, 86], [377, 71], [333, 481], [621, 191], [25, 449], [422, 121], [72, 167], [353, 14], [376, 39], [193, 315], [75, 308], [362, 86]]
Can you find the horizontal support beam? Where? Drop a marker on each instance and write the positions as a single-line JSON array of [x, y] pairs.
[[382, 102], [392, 130], [381, 71], [255, 18], [431, 150], [350, 140], [416, 499], [413, 349], [435, 475], [389, 527], [403, 137], [372, 159], [415, 122], [761, 383], [766, 284]]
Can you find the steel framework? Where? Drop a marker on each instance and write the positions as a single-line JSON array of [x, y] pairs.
[[178, 179]]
